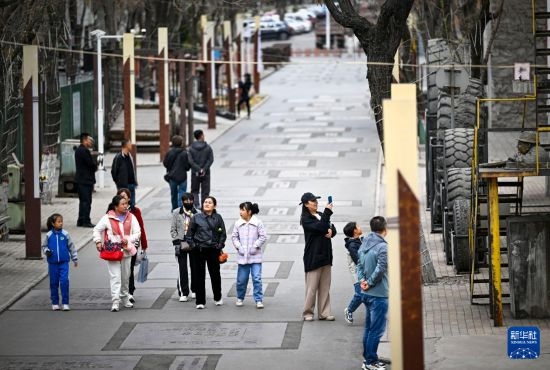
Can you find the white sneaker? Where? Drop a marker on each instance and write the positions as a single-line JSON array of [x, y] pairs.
[[239, 303], [66, 307], [193, 295], [183, 298], [259, 305], [128, 304], [55, 307], [218, 303], [114, 307], [131, 298], [200, 306]]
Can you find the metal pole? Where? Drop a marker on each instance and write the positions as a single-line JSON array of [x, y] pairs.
[[452, 83], [494, 239], [327, 28], [100, 133]]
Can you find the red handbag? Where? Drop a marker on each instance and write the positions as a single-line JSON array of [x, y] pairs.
[[111, 252]]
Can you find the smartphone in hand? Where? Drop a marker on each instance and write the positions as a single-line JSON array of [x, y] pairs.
[[330, 199]]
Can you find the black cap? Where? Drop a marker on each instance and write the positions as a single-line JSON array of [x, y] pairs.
[[306, 197]]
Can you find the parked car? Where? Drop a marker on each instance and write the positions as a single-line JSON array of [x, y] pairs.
[[274, 30], [298, 18], [296, 27]]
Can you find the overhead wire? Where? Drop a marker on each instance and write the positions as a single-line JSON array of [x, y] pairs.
[[302, 61]]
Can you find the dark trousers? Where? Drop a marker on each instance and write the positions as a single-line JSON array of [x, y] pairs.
[[183, 281], [202, 183], [209, 257], [85, 203], [131, 286], [243, 100]]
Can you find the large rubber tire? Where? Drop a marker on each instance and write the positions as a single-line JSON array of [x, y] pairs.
[[457, 188], [461, 248], [444, 111], [437, 53], [459, 182], [459, 144], [465, 108]]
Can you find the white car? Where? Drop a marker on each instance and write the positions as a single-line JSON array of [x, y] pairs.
[[295, 26], [298, 18]]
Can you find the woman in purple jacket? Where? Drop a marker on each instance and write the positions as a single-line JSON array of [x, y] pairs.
[[248, 238]]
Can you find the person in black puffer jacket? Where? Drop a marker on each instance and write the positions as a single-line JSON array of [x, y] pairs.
[[177, 164], [318, 232], [206, 234]]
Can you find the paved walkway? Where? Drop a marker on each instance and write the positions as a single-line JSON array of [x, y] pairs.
[[314, 134]]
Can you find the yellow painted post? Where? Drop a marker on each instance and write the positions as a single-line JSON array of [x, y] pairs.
[[401, 157], [495, 251]]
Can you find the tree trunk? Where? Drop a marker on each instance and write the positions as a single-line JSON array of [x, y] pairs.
[[379, 78]]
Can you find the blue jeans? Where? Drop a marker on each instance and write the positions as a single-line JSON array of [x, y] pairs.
[[59, 276], [176, 192], [254, 269], [375, 324], [357, 299]]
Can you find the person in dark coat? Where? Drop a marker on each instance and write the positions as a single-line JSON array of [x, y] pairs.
[[177, 164], [206, 235], [318, 232], [201, 158], [84, 179], [123, 170], [244, 91]]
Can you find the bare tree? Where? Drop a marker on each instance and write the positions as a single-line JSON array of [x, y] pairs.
[[380, 42]]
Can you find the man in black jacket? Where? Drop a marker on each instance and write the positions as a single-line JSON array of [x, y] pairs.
[[201, 158], [177, 165], [84, 179], [123, 170]]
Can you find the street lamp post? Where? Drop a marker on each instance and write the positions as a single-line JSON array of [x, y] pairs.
[[100, 34], [100, 134]]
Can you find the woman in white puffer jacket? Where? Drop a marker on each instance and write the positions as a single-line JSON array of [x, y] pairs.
[[126, 233]]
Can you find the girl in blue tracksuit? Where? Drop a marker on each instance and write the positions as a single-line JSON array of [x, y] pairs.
[[59, 250]]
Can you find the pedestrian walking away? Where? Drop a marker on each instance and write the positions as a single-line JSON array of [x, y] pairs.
[[248, 237], [201, 158], [318, 232], [353, 241], [118, 230], [177, 164], [123, 170], [59, 249], [84, 179], [181, 218], [206, 235], [244, 93], [372, 272], [140, 244]]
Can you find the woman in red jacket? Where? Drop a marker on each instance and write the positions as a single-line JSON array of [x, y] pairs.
[[124, 192]]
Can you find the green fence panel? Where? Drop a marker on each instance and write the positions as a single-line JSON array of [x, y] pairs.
[[77, 112]]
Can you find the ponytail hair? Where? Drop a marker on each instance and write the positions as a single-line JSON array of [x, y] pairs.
[[51, 220], [249, 206]]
